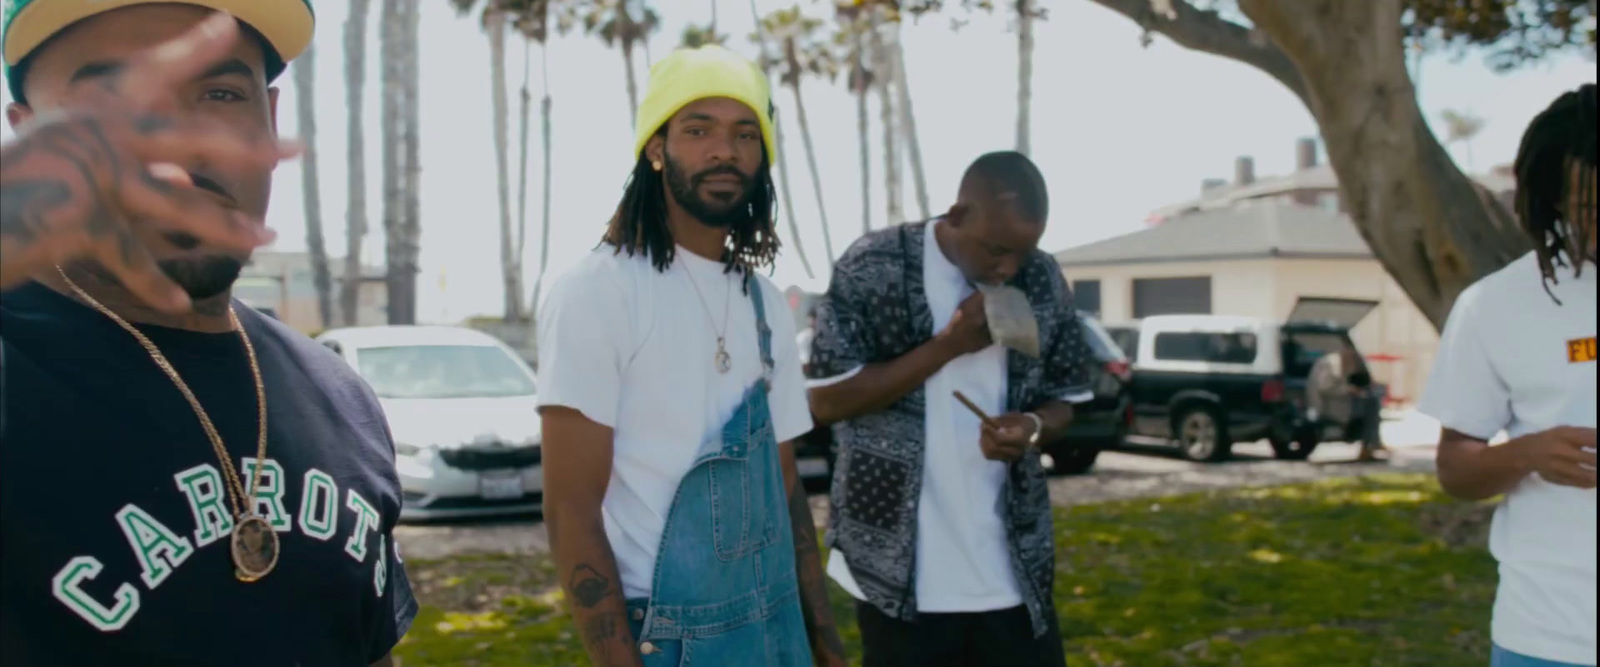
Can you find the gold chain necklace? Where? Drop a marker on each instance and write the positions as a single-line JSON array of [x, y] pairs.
[[254, 543]]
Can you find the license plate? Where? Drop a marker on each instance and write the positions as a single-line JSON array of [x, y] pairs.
[[500, 485]]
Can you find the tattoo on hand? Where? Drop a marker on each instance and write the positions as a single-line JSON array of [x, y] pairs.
[[588, 587]]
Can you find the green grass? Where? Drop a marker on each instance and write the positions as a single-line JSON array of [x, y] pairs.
[[1340, 573]]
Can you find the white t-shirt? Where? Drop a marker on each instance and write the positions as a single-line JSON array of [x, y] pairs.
[[963, 559], [634, 349], [1512, 359]]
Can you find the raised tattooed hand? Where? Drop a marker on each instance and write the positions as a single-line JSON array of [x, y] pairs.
[[77, 184]]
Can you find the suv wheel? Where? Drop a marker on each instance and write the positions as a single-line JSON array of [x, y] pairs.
[[1298, 449], [1202, 435], [1069, 459]]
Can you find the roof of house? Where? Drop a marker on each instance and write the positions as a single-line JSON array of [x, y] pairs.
[[1246, 231], [1315, 179]]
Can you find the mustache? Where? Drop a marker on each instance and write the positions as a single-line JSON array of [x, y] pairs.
[[185, 240], [725, 170], [208, 184]]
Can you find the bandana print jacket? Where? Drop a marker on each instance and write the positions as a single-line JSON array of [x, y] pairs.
[[875, 311]]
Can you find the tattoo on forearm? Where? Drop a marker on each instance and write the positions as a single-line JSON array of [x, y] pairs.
[[599, 633], [587, 586], [813, 587]]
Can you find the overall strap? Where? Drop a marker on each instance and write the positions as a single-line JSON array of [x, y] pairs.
[[763, 332]]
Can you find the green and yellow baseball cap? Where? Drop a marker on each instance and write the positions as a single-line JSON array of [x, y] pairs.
[[286, 25]]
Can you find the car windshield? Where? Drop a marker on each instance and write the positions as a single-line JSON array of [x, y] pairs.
[[443, 371]]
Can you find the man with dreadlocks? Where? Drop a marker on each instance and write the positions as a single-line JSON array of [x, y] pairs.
[[1518, 355], [671, 392]]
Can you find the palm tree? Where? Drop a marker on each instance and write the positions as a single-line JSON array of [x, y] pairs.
[[494, 23], [883, 62], [908, 119], [781, 160], [623, 23], [696, 36], [1462, 127], [410, 243], [1027, 11], [800, 54], [305, 68], [851, 39], [390, 49], [538, 27], [355, 78]]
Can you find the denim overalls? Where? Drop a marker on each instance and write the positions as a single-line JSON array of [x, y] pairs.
[[725, 591]]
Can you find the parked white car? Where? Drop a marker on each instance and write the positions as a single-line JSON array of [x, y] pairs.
[[462, 408]]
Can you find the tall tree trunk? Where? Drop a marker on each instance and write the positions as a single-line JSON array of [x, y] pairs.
[[355, 78], [522, 171], [783, 164], [392, 89], [632, 82], [883, 62], [791, 54], [411, 187], [908, 122], [788, 199], [861, 89], [495, 23], [305, 86], [544, 120], [1025, 9], [1432, 228]]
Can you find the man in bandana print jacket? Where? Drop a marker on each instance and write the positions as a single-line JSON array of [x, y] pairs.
[[939, 577]]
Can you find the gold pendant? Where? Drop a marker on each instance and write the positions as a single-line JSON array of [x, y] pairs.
[[255, 549]]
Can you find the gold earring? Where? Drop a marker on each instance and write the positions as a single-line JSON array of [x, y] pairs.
[[656, 165]]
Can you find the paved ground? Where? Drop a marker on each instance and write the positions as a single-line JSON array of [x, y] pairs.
[[1137, 472]]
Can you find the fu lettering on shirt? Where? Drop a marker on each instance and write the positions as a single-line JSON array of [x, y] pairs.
[[1581, 351]]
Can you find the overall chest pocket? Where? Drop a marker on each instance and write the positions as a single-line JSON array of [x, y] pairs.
[[746, 496]]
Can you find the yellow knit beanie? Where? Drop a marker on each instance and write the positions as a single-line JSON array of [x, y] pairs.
[[688, 75]]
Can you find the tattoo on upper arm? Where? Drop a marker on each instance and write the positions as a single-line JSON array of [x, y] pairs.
[[588, 586]]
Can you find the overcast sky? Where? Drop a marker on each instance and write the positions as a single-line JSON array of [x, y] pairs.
[[1118, 130]]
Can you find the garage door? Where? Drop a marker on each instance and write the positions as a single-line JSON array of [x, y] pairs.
[[1086, 295], [1172, 296]]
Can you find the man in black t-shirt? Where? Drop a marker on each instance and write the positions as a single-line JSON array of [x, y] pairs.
[[184, 482]]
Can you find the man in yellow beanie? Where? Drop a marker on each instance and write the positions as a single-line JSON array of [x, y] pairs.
[[183, 480], [671, 390]]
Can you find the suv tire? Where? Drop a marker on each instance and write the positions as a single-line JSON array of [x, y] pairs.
[[1202, 434], [1069, 459], [1298, 449]]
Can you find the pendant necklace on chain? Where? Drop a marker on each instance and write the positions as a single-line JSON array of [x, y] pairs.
[[254, 543], [722, 361]]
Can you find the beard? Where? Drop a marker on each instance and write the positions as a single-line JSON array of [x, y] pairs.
[[204, 277], [721, 212]]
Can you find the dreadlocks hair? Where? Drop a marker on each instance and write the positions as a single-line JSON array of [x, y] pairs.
[[1559, 142], [639, 225]]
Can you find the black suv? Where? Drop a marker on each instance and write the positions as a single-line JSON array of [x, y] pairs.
[[1204, 382], [1103, 422]]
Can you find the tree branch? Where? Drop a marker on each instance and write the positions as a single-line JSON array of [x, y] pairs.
[[1207, 32]]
